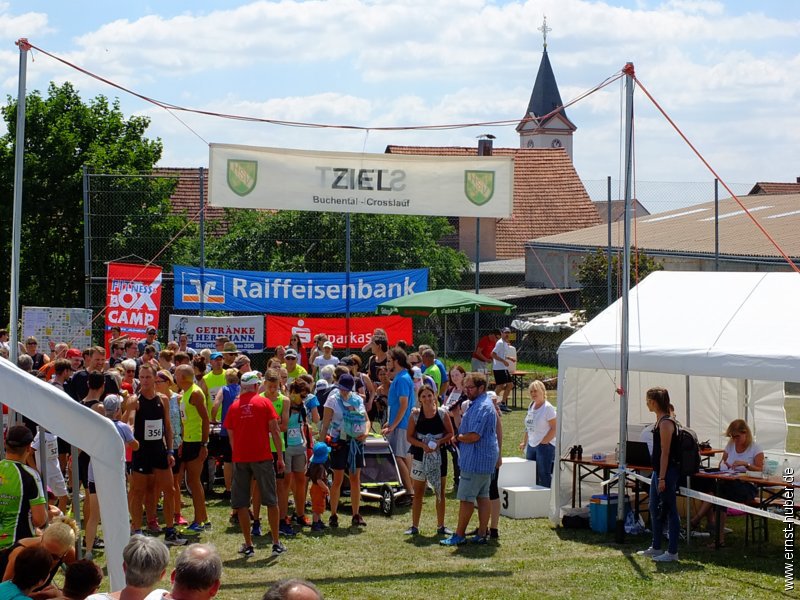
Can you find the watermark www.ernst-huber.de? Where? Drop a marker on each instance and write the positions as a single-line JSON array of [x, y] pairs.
[[788, 529]]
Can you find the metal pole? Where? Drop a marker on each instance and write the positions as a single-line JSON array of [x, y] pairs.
[[608, 259], [716, 224], [484, 149], [202, 243], [87, 241], [16, 227], [626, 281], [347, 279]]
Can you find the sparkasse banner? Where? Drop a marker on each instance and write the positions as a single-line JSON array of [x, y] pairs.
[[133, 298], [346, 182], [264, 292], [280, 329], [246, 332]]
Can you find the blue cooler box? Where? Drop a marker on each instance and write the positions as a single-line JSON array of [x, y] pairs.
[[603, 512]]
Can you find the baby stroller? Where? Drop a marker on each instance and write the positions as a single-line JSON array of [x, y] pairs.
[[380, 477]]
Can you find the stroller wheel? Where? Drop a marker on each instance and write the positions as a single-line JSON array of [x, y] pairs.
[[387, 501]]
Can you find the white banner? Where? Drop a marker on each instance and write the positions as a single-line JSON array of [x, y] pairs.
[[277, 178], [246, 332]]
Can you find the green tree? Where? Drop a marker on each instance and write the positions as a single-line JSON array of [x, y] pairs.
[[315, 242], [62, 134], [592, 277]]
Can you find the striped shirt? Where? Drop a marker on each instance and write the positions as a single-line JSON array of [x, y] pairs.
[[480, 418]]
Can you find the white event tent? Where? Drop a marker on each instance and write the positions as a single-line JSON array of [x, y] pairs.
[[723, 344], [58, 413]]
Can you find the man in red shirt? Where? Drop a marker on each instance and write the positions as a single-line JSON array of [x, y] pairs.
[[483, 351], [250, 421]]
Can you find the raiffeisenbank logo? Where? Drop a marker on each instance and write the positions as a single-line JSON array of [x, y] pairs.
[[479, 186], [242, 176]]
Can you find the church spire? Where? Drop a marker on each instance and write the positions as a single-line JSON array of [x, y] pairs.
[[544, 29]]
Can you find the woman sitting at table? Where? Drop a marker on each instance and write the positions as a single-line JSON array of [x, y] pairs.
[[740, 455]]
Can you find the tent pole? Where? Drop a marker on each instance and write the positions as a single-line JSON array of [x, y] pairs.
[[626, 280]]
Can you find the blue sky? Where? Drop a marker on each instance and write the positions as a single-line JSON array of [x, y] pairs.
[[725, 71]]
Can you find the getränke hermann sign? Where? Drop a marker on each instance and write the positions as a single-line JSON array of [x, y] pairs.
[[285, 179]]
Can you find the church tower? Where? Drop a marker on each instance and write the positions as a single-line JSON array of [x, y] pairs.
[[556, 130]]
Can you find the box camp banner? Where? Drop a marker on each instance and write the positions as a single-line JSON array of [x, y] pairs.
[[246, 332], [279, 178], [133, 298], [280, 329], [261, 292]]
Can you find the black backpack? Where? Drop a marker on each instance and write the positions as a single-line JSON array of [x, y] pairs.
[[688, 451]]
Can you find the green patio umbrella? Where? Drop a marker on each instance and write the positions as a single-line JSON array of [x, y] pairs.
[[443, 302]]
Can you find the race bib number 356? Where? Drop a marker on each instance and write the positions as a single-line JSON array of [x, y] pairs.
[[153, 429]]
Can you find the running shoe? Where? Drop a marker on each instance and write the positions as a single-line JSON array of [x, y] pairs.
[[301, 520], [358, 521], [286, 529], [454, 540], [411, 531], [652, 552], [134, 532], [278, 549], [88, 556], [179, 520], [318, 526], [246, 551], [173, 538], [195, 527], [207, 526], [666, 557], [255, 531], [444, 531], [333, 521], [478, 539], [494, 534], [98, 544], [153, 527]]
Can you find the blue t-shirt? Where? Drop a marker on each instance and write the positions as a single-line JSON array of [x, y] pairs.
[[402, 385], [480, 418], [10, 591], [311, 404], [229, 394]]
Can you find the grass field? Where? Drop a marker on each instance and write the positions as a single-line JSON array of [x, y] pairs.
[[531, 559]]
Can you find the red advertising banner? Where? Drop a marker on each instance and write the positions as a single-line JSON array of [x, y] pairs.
[[280, 329], [133, 298]]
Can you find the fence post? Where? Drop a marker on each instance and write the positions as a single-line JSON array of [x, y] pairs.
[[202, 243]]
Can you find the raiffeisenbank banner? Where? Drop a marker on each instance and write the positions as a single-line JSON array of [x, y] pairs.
[[284, 179], [281, 292]]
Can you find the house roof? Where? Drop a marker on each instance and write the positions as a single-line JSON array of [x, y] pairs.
[[545, 96], [186, 197], [618, 210], [549, 197], [769, 187], [690, 230]]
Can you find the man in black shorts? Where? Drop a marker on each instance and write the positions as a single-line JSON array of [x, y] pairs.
[[502, 364], [153, 461]]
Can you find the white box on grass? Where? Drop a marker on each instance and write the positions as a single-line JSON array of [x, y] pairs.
[[516, 471], [525, 501]]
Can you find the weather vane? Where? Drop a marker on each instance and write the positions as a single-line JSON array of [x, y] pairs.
[[544, 29]]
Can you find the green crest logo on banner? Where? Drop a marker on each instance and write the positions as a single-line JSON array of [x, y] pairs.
[[242, 176], [479, 186]]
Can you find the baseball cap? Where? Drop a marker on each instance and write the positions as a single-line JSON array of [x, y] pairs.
[[417, 372], [241, 361], [19, 436], [151, 330], [321, 385], [328, 344], [347, 362], [74, 353], [505, 330], [230, 348], [215, 355], [290, 353], [346, 383], [112, 403], [251, 378]]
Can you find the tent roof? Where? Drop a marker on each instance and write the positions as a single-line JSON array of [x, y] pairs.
[[741, 325]]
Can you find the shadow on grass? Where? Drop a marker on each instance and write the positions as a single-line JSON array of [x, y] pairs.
[[370, 579]]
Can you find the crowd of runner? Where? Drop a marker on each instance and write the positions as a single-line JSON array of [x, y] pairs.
[[291, 432]]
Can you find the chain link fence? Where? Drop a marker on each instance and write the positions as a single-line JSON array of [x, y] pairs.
[[157, 217]]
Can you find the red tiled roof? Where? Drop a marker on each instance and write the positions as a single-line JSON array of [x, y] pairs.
[[549, 197], [186, 197], [769, 187]]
